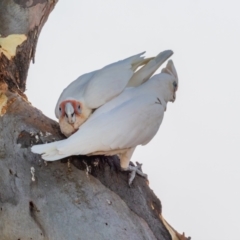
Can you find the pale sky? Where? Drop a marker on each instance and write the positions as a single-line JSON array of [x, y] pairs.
[[193, 162]]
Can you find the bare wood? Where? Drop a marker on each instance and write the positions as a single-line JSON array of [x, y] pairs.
[[21, 22]]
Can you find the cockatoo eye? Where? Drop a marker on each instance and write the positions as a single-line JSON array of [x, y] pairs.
[[175, 86], [60, 109], [72, 114], [78, 109]]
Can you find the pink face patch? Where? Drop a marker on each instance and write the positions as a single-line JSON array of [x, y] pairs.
[[62, 108], [76, 105]]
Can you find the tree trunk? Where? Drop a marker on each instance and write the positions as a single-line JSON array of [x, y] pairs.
[[90, 200]]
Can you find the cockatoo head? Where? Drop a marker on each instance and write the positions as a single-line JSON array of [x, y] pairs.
[[71, 114], [70, 109], [172, 81]]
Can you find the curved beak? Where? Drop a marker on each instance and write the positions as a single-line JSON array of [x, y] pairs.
[[70, 113]]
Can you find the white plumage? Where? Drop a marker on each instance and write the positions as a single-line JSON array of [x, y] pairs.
[[128, 120], [94, 89]]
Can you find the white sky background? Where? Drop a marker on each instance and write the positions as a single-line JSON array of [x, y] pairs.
[[193, 162]]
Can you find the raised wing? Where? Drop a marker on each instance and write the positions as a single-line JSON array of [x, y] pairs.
[[110, 81], [149, 69]]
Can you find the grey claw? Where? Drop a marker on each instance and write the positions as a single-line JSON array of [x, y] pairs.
[[131, 178], [133, 170]]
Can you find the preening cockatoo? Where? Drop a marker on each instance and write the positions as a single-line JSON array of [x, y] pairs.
[[120, 125], [94, 89]]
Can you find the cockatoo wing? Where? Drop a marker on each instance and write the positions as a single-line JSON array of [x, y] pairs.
[[108, 84], [110, 81], [137, 122], [145, 72], [149, 69]]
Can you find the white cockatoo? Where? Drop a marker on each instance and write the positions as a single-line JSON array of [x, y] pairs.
[[120, 125], [94, 89]]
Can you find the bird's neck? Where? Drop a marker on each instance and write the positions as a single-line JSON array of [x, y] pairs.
[[162, 101], [161, 89]]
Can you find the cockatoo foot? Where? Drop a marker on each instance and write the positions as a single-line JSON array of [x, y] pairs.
[[133, 170]]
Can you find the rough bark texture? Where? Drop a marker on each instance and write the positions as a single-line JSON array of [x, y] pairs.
[[90, 200]]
